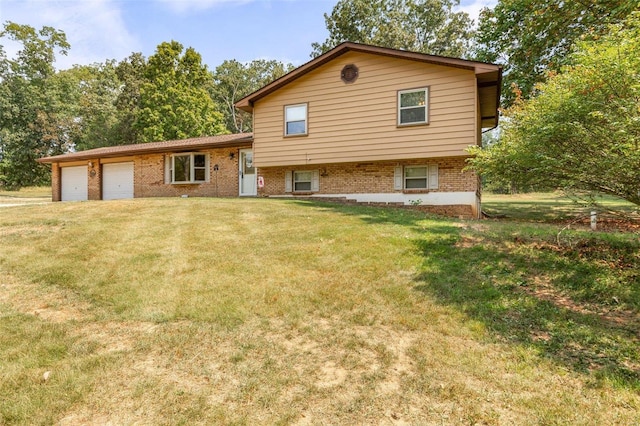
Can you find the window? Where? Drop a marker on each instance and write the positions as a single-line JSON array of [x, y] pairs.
[[412, 106], [302, 181], [189, 168], [416, 177], [295, 120]]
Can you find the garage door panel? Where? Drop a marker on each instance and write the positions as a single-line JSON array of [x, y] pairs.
[[74, 185], [117, 181]]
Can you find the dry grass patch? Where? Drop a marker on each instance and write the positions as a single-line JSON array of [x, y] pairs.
[[204, 311], [28, 195]]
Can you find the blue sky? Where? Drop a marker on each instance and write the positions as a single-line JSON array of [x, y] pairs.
[[218, 29]]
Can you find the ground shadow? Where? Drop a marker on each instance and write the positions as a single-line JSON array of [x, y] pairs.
[[523, 296]]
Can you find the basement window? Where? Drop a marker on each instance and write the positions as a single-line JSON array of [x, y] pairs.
[[416, 177], [421, 177], [189, 168], [302, 181]]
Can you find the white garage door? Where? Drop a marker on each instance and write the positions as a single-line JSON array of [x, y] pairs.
[[117, 181], [74, 183]]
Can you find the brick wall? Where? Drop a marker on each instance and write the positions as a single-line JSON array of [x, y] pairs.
[[372, 177], [346, 178], [56, 188], [94, 175], [149, 176], [149, 179]]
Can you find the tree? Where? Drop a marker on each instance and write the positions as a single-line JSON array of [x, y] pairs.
[[234, 80], [34, 119], [581, 131], [94, 90], [174, 100], [130, 73], [427, 26], [532, 37]]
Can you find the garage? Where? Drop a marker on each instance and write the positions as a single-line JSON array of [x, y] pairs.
[[74, 183], [117, 181]]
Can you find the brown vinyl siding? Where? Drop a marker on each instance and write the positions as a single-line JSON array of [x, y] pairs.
[[358, 121]]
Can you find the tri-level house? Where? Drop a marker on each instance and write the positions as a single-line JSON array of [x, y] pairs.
[[360, 123]]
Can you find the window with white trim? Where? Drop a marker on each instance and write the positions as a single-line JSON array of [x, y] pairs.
[[302, 181], [413, 106], [416, 177], [295, 120], [189, 167]]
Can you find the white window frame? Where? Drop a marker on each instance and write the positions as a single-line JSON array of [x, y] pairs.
[[400, 177], [425, 106], [287, 121], [424, 177], [192, 168], [290, 182], [297, 181]]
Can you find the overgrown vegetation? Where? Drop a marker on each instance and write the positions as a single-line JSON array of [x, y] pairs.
[[255, 311], [534, 38], [582, 129]]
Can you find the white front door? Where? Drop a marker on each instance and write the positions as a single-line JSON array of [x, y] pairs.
[[247, 173]]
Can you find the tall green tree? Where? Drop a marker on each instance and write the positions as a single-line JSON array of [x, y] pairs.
[[532, 37], [174, 100], [130, 73], [92, 96], [427, 26], [233, 80], [581, 131], [34, 119]]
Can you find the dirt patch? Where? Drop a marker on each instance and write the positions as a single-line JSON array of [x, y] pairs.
[[618, 318], [55, 306]]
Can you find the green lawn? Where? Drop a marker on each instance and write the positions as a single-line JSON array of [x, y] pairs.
[[29, 195], [552, 207], [251, 311]]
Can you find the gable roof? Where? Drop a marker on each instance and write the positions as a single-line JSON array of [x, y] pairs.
[[489, 76], [220, 141]]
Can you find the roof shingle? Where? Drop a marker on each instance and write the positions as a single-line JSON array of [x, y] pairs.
[[219, 141]]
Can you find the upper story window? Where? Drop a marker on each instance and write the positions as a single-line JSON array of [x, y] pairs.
[[295, 120], [189, 168], [413, 106]]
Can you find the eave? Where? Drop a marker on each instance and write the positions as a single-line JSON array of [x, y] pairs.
[[221, 141]]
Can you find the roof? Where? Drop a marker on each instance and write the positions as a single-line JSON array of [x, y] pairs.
[[489, 76], [220, 141]]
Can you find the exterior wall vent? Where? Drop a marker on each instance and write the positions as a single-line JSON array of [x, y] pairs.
[[349, 73]]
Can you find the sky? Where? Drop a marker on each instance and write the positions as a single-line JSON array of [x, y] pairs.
[[218, 29]]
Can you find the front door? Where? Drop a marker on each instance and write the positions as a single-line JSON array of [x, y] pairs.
[[247, 173]]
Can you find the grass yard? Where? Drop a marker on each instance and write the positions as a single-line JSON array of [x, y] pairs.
[[250, 311], [552, 207], [30, 195]]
